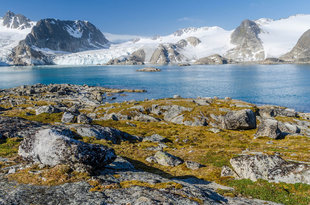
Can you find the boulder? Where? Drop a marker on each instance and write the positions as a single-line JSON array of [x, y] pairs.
[[145, 118], [270, 167], [47, 109], [106, 133], [53, 147], [17, 127], [82, 118], [166, 159], [154, 138], [269, 128], [192, 165], [68, 117], [240, 120]]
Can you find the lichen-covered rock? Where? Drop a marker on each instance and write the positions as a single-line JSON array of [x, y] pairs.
[[52, 147], [84, 119], [269, 128], [145, 118], [271, 168], [227, 172], [47, 109], [192, 165], [166, 159], [17, 127], [107, 133], [240, 120], [68, 117], [154, 138]]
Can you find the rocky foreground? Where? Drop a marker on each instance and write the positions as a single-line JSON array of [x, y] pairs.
[[70, 144]]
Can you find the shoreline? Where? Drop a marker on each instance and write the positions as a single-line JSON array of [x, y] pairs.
[[154, 146]]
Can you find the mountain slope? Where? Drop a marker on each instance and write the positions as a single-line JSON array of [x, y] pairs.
[[54, 41], [13, 28], [57, 36]]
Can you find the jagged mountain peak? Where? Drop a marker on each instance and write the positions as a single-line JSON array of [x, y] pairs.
[[16, 21]]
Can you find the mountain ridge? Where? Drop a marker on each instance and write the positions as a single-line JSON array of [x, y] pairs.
[[274, 39]]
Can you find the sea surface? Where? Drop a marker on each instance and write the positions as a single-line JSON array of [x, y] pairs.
[[285, 85]]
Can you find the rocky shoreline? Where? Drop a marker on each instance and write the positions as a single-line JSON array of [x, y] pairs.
[[71, 144]]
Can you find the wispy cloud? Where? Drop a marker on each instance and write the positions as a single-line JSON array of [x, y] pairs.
[[190, 20], [185, 19]]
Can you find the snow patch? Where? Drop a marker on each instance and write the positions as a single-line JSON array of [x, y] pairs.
[[74, 31]]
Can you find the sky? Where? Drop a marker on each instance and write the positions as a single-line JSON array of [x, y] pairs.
[[156, 17]]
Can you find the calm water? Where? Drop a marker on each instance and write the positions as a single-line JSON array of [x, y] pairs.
[[286, 85]]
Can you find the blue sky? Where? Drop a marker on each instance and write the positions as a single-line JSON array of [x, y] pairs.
[[151, 17]]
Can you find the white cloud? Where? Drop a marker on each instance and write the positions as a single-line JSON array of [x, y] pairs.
[[190, 20]]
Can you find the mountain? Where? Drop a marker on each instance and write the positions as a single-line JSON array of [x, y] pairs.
[[13, 28], [249, 46], [51, 41], [16, 21], [301, 51], [251, 41], [57, 36]]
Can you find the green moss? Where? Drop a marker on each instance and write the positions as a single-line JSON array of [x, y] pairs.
[[9, 147], [290, 194], [44, 117]]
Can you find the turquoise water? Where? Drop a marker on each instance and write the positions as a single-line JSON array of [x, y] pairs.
[[285, 85]]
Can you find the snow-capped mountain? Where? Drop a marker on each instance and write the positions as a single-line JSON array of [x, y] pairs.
[[78, 43], [13, 28], [272, 39]]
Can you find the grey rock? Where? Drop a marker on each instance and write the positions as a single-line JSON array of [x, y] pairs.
[[212, 60], [47, 109], [149, 69], [240, 120], [52, 147], [17, 127], [136, 58], [192, 165], [176, 96], [82, 118], [173, 113], [145, 118], [165, 54], [107, 133], [194, 41], [214, 130], [270, 167], [227, 172], [111, 116], [166, 159], [269, 128], [68, 117], [154, 138]]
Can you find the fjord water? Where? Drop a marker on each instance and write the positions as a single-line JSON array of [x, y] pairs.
[[285, 85]]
